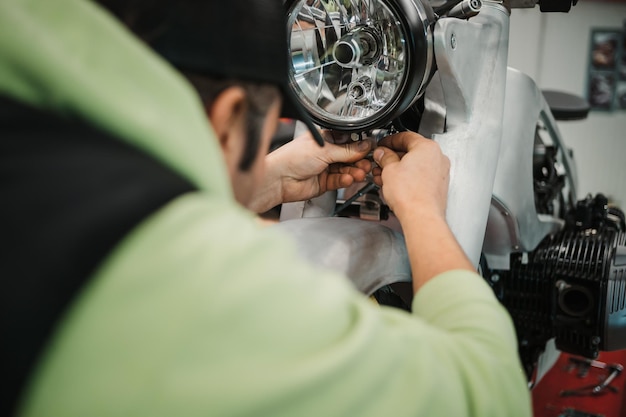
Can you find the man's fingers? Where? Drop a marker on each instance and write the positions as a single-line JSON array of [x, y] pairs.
[[364, 164], [358, 169], [403, 141], [343, 176], [337, 181], [384, 156], [351, 152]]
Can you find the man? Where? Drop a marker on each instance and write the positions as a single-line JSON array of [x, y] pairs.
[[136, 285], [246, 82]]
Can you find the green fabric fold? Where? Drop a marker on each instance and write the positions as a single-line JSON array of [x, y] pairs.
[[71, 57]]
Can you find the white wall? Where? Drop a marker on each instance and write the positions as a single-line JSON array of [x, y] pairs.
[[553, 48]]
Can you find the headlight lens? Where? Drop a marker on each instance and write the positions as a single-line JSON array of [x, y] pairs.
[[353, 62]]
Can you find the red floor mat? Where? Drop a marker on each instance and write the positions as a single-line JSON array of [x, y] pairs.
[[578, 387]]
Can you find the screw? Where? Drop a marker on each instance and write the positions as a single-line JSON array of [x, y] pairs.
[[495, 278], [453, 41]]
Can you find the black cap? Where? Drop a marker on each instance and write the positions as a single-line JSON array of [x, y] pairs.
[[243, 39]]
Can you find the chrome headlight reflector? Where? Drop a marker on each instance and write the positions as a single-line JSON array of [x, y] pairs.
[[357, 64]]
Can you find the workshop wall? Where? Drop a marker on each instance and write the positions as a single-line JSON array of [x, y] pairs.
[[553, 48]]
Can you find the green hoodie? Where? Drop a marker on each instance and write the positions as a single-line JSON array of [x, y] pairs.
[[200, 311]]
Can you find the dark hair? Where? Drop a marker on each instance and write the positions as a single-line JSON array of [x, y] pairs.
[[259, 97], [145, 19]]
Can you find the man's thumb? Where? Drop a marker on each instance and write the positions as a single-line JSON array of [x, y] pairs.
[[348, 153], [383, 156], [359, 148]]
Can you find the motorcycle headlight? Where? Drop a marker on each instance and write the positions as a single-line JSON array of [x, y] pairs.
[[356, 64]]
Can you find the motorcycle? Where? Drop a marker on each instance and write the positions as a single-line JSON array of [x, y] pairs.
[[366, 69]]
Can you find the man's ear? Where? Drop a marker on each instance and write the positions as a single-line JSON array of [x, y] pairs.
[[227, 114]]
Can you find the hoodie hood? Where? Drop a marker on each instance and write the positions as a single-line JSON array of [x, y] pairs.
[[73, 58]]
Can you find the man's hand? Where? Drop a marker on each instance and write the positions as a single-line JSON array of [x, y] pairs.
[[301, 169], [413, 174], [309, 170]]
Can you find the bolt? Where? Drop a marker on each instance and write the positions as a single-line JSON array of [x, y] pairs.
[[495, 278]]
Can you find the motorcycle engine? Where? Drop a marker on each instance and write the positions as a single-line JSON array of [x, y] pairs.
[[572, 287]]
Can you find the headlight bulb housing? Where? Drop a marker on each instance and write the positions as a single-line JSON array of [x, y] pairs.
[[358, 64]]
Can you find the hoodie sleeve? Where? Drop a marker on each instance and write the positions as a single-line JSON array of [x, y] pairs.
[[199, 312]]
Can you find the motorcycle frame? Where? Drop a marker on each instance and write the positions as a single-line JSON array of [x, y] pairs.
[[484, 115]]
